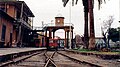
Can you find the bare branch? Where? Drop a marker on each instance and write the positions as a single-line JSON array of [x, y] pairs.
[[106, 25]]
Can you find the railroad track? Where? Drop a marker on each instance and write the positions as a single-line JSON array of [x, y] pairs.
[[50, 59]]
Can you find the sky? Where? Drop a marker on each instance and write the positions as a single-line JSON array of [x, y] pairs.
[[47, 10]]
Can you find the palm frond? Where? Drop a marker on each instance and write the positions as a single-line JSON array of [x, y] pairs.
[[104, 1], [72, 2], [100, 2], [76, 1], [65, 2]]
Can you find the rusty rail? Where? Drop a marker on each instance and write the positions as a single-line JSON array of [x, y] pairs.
[[50, 61], [79, 61], [17, 57]]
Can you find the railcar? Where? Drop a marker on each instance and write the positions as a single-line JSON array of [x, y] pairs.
[[53, 44]]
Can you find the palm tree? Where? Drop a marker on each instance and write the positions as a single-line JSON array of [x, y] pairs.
[[88, 7], [86, 37]]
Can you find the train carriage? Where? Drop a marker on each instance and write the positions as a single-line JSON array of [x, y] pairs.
[[53, 44]]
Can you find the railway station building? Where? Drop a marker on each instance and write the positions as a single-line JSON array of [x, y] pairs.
[[6, 28], [16, 20]]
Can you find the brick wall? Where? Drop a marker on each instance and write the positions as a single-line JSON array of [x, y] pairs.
[[9, 29], [11, 10], [59, 21]]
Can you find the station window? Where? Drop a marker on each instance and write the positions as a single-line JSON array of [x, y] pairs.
[[2, 7], [3, 33]]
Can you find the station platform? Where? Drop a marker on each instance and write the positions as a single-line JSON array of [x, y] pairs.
[[8, 54], [6, 51]]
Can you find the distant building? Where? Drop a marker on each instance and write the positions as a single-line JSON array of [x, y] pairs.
[[15, 23], [79, 41]]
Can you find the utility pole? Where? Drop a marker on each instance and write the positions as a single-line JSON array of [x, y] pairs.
[[70, 28], [92, 33]]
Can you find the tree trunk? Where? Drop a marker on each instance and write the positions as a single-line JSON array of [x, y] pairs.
[[108, 38], [86, 38], [92, 34], [86, 10]]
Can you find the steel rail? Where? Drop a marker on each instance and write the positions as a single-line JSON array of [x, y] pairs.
[[79, 61], [15, 60], [49, 59]]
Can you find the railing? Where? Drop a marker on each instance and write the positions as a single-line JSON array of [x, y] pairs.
[[24, 23], [37, 28], [53, 24], [29, 21]]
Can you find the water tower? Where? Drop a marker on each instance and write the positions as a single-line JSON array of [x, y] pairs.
[[59, 20]]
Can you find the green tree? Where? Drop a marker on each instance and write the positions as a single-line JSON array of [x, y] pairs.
[[113, 34], [118, 29], [106, 30]]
